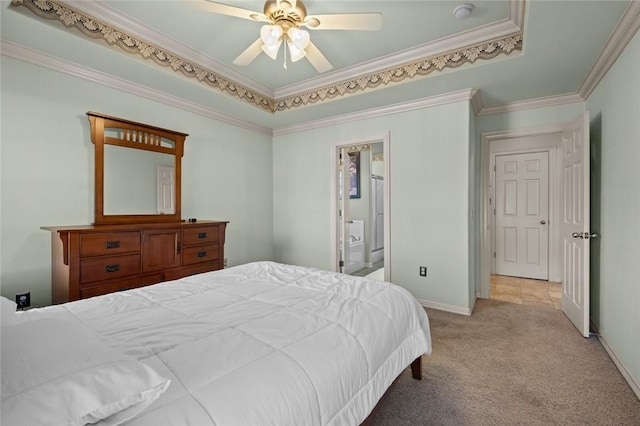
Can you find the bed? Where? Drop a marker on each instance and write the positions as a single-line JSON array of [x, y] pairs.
[[257, 344]]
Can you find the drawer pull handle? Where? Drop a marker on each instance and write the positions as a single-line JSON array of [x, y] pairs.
[[202, 254], [202, 235], [112, 244], [112, 268]]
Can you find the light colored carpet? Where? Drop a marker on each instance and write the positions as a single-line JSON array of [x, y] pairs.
[[510, 364]]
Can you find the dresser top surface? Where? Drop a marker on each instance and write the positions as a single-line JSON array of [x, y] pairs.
[[132, 226]]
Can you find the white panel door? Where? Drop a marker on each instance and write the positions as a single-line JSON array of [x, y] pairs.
[[166, 189], [522, 215], [574, 229]]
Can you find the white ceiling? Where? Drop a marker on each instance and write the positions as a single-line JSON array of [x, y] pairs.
[[561, 43]]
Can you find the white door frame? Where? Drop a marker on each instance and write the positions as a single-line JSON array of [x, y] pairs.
[[385, 139], [490, 146]]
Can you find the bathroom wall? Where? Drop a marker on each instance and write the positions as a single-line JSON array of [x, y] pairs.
[[359, 208]]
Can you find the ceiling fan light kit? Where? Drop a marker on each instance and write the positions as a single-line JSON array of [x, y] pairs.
[[271, 36], [284, 20], [297, 41]]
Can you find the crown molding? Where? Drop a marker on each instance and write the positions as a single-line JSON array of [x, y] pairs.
[[447, 98], [476, 102], [399, 74], [546, 101], [621, 35], [625, 30], [25, 54], [139, 30], [474, 37], [134, 38], [89, 26], [516, 12], [505, 28]]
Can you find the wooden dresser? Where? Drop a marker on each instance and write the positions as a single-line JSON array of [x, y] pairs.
[[89, 261]]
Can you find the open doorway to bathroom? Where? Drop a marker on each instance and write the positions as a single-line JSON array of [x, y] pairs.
[[361, 208]]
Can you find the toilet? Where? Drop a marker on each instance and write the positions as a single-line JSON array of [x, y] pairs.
[[356, 246]]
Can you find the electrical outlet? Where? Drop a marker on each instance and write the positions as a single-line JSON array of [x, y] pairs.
[[423, 271], [225, 262], [23, 300]]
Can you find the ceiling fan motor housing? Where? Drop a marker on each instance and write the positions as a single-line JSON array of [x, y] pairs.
[[283, 15]]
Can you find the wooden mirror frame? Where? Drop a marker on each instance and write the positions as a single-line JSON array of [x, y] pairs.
[[137, 136]]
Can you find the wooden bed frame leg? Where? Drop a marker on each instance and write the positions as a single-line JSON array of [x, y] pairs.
[[416, 368]]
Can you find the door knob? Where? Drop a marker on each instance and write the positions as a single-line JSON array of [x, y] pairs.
[[592, 236], [577, 235], [542, 222]]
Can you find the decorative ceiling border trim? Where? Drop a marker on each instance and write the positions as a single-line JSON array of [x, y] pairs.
[[475, 36], [73, 17], [25, 54], [398, 74], [92, 27], [141, 31]]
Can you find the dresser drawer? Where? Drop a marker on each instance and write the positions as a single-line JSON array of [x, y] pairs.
[[200, 235], [109, 243], [128, 284], [200, 254], [109, 267]]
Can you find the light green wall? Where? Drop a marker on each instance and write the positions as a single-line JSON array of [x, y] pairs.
[[47, 170], [474, 208], [529, 118], [615, 207], [614, 108], [279, 202], [429, 197]]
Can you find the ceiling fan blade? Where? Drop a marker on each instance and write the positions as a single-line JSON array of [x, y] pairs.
[[225, 9], [345, 21], [317, 59], [250, 53]]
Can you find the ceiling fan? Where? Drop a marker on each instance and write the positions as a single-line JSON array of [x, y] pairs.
[[284, 20]]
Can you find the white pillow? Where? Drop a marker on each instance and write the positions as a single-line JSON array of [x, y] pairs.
[[57, 372], [8, 311]]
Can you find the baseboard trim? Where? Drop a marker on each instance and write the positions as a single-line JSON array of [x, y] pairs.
[[445, 307], [635, 387]]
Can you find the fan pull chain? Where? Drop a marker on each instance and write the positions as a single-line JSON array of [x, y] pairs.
[[285, 56]]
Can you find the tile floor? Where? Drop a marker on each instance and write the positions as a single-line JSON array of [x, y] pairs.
[[366, 271], [526, 291]]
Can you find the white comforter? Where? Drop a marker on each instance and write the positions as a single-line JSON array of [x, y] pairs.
[[262, 343]]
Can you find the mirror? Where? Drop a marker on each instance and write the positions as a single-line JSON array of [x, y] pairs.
[[137, 171], [125, 165]]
